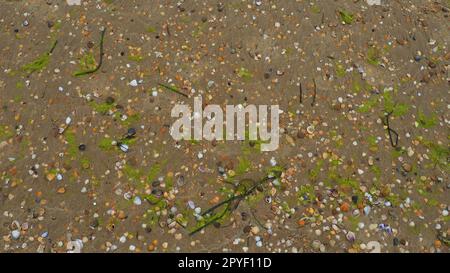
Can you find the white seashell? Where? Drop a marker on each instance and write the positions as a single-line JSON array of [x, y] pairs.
[[134, 83], [374, 246], [124, 147], [75, 246], [191, 204], [350, 236]]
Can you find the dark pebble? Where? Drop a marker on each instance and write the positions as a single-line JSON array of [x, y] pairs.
[[82, 147], [300, 134], [395, 241], [157, 192], [109, 100], [131, 132], [220, 7]]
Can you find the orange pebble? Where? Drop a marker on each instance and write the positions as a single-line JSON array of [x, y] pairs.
[[345, 207]]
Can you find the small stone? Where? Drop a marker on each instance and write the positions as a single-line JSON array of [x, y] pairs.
[[15, 234], [121, 215], [133, 83], [131, 132], [255, 230], [220, 7], [82, 147], [395, 241], [345, 207], [316, 245], [407, 167], [137, 201], [50, 176], [300, 134]]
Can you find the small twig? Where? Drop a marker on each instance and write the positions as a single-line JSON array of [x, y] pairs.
[[53, 47], [391, 131], [315, 93], [168, 30], [301, 93], [81, 73]]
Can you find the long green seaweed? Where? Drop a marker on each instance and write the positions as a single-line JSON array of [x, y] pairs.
[[100, 62]]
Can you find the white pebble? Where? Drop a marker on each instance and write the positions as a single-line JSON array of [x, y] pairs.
[[133, 83], [15, 234], [137, 201]]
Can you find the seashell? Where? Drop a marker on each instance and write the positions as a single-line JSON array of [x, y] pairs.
[[124, 147], [75, 246], [374, 246]]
